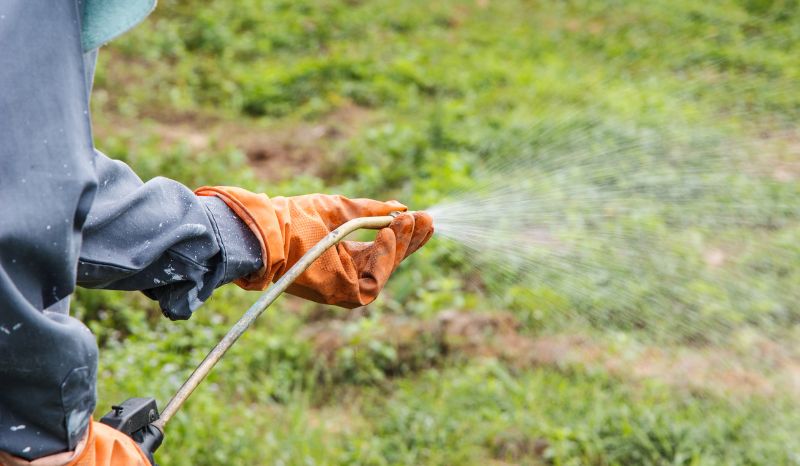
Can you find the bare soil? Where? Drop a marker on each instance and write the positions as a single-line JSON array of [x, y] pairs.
[[777, 155], [275, 151], [767, 369]]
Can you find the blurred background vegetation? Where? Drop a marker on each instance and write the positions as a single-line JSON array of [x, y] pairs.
[[406, 100]]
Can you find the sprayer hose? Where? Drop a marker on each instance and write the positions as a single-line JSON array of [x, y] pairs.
[[263, 302]]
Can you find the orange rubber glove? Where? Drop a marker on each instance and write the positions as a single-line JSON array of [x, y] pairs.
[[350, 274], [103, 446], [107, 446]]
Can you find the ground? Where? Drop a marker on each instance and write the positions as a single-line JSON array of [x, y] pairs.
[[454, 365]]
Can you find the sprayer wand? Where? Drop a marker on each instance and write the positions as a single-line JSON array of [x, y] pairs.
[[263, 302], [138, 417]]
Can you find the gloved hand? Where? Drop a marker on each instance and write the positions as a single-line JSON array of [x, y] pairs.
[[351, 274]]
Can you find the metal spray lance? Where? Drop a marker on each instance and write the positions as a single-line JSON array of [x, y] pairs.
[[139, 417]]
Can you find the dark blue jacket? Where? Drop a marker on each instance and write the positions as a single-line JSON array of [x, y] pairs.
[[69, 215]]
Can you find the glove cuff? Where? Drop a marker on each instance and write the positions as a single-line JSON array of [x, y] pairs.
[[258, 213]]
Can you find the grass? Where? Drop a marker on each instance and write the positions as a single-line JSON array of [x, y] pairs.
[[409, 100]]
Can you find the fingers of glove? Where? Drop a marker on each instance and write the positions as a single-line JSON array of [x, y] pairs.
[[336, 210], [403, 228], [374, 261], [374, 255], [423, 230]]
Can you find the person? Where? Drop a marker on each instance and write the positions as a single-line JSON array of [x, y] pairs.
[[72, 216]]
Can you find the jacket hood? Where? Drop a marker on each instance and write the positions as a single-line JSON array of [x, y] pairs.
[[104, 20]]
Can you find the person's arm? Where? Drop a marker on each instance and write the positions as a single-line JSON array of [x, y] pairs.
[[177, 247], [158, 237], [70, 215]]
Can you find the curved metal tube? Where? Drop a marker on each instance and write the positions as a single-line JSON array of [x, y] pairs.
[[263, 302]]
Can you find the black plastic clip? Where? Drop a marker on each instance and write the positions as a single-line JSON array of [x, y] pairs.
[[134, 417]]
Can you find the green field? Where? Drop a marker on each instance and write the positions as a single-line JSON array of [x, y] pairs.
[[455, 364]]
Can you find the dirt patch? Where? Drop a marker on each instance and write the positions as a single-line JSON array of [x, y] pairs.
[[776, 154], [515, 446], [337, 420], [307, 148], [410, 338], [714, 257], [769, 368], [275, 151]]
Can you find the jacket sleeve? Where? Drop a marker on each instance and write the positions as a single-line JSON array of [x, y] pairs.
[[160, 238]]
